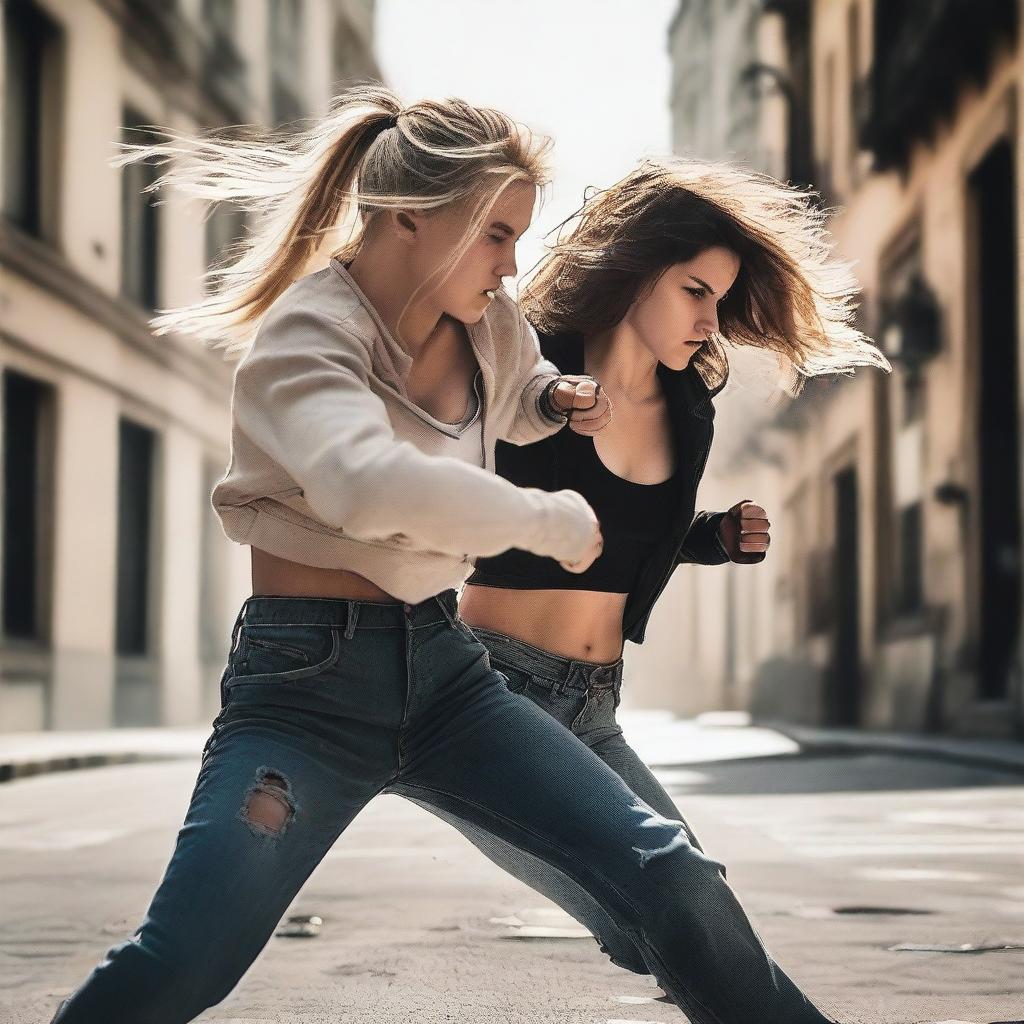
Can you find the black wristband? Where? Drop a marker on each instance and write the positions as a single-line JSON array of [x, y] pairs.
[[547, 406]]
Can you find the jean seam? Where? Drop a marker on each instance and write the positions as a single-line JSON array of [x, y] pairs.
[[690, 1002], [525, 828], [409, 682]]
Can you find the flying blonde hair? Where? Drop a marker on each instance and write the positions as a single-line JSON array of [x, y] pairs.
[[369, 153], [791, 295]]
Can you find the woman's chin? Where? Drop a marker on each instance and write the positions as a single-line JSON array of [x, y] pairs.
[[469, 316], [681, 360]]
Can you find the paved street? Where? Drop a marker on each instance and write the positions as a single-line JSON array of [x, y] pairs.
[[419, 927]]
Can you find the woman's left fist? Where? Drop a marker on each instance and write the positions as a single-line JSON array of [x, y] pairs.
[[743, 532], [583, 401]]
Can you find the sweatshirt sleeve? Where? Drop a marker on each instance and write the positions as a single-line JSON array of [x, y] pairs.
[[302, 395], [533, 374]]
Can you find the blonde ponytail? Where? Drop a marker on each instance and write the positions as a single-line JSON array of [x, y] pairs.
[[369, 153]]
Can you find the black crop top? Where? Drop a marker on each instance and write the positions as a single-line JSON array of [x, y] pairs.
[[635, 518], [693, 537]]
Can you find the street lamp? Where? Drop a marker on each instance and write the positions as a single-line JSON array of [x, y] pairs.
[[911, 329]]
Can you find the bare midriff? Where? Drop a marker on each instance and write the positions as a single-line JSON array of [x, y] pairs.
[[278, 577], [581, 624]]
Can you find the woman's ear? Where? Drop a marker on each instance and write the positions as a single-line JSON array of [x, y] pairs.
[[405, 224]]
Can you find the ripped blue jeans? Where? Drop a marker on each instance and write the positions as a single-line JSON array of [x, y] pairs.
[[327, 703]]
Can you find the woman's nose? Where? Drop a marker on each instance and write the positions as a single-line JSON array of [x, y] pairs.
[[708, 325]]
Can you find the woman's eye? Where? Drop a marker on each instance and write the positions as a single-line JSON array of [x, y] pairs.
[[496, 238], [697, 293]]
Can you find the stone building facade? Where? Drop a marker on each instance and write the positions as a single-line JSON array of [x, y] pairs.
[[119, 588]]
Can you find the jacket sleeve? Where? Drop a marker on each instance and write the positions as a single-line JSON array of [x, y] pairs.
[[302, 395], [702, 545], [532, 375]]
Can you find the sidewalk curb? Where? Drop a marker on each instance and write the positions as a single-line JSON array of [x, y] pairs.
[[1003, 755], [15, 771]]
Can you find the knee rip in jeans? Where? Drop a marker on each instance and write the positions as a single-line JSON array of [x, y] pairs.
[[666, 835], [269, 808]]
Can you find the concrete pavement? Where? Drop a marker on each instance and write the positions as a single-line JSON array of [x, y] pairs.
[[849, 865]]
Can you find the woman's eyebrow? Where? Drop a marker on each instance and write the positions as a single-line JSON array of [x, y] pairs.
[[703, 284], [502, 226]]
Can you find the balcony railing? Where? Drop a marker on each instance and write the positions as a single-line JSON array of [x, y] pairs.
[[203, 55], [924, 53]]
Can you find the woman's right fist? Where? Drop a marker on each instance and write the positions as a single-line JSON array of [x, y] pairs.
[[594, 549], [582, 538]]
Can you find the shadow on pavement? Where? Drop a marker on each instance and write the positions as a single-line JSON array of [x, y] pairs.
[[833, 773]]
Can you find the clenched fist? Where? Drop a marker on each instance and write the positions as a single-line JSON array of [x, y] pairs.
[[744, 532], [583, 401]]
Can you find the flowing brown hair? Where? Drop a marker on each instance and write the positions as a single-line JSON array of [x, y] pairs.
[[369, 153], [791, 295]]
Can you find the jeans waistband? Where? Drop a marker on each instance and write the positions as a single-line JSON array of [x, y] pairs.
[[545, 667], [349, 615]]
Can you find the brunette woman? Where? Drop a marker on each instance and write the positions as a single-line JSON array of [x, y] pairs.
[[642, 290]]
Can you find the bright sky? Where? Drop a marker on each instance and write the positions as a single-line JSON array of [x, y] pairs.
[[592, 74]]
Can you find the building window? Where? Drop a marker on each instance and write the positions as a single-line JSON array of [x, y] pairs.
[[224, 67], [909, 590], [33, 95], [213, 572], [286, 62], [28, 452], [820, 591], [225, 228], [902, 503], [134, 537], [140, 222], [349, 56], [856, 85], [826, 123], [219, 16]]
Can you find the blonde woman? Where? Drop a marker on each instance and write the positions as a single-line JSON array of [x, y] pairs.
[[645, 284], [364, 418]]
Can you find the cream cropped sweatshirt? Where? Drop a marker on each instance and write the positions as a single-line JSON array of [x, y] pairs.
[[332, 465]]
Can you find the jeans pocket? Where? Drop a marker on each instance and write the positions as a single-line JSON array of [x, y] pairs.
[[563, 706], [515, 678], [284, 653]]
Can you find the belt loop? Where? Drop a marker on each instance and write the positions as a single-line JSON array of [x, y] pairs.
[[562, 685], [239, 620], [352, 619]]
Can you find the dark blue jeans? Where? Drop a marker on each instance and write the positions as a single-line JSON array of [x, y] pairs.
[[327, 703], [583, 697]]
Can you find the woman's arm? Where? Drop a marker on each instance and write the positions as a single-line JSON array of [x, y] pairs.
[[534, 418], [302, 396], [702, 544]]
